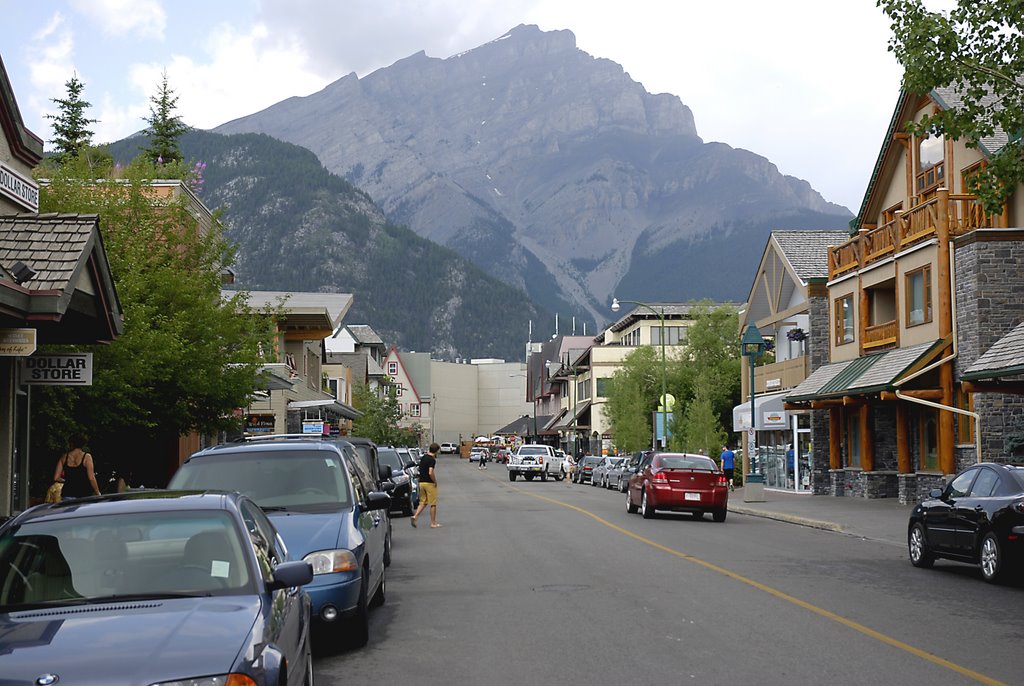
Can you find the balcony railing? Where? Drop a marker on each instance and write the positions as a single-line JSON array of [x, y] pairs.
[[778, 376], [916, 225], [881, 335]]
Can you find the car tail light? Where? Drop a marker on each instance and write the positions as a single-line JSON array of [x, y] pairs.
[[722, 481], [659, 476]]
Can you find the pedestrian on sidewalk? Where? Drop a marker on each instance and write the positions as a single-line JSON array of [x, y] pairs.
[[75, 469], [728, 459], [428, 486]]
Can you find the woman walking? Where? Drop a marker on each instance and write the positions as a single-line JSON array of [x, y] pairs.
[[77, 469]]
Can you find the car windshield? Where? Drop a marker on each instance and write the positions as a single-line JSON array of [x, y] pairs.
[[591, 461], [391, 459], [104, 558], [301, 480], [703, 464]]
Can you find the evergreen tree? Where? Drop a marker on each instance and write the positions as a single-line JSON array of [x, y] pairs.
[[71, 132], [165, 128]]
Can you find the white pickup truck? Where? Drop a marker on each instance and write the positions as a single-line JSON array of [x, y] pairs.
[[535, 460]]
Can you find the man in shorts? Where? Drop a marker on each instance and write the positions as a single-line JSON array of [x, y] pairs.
[[728, 459], [428, 486]]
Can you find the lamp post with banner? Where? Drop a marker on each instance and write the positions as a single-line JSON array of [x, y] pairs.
[[751, 346]]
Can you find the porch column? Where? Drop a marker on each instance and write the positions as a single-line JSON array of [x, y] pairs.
[[947, 449], [835, 439], [867, 439], [944, 311], [902, 439]]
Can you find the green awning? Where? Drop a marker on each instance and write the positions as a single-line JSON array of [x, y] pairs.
[[863, 375]]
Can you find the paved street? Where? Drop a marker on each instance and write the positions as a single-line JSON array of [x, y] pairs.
[[533, 583]]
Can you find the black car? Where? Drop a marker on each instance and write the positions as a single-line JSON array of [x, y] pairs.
[[978, 518], [585, 469], [151, 587], [405, 494]]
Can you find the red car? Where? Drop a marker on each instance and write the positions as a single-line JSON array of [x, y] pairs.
[[679, 482]]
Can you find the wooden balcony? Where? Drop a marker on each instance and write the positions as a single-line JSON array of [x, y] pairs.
[[956, 214], [886, 334], [778, 376]]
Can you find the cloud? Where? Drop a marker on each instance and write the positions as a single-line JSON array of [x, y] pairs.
[[141, 18], [52, 65]]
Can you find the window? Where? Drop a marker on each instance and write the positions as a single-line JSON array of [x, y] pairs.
[[889, 214], [930, 442], [674, 335], [964, 423], [844, 320], [602, 387], [392, 369], [398, 390], [985, 485], [414, 409], [919, 296], [631, 339], [931, 165], [961, 485]]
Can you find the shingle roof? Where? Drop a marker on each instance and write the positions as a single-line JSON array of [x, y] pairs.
[[51, 244], [365, 334], [950, 98], [1005, 358], [807, 251]]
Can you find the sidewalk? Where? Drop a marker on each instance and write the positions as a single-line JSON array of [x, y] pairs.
[[881, 519]]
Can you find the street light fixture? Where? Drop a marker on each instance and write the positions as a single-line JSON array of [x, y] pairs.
[[751, 346], [664, 394]]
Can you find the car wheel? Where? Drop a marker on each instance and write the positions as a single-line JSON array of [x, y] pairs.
[[528, 476], [381, 595], [407, 506], [387, 550], [356, 631], [308, 680], [719, 515], [645, 505], [992, 563], [630, 507], [560, 476], [511, 476], [544, 475], [920, 556]]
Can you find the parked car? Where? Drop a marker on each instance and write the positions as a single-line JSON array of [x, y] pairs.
[[679, 482], [978, 519], [405, 494], [325, 510], [182, 588], [618, 474], [600, 471], [476, 454], [585, 468], [449, 449]]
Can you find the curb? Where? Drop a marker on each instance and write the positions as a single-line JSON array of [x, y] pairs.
[[790, 519]]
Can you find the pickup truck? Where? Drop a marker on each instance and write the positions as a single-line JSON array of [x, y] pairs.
[[535, 460]]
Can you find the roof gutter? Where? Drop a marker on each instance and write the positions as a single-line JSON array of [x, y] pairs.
[[944, 360]]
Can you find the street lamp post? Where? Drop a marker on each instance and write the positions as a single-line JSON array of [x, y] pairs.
[[664, 395], [752, 345]]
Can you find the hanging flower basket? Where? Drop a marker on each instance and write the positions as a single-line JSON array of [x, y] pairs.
[[796, 335]]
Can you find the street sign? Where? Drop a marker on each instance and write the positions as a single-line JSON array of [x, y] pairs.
[[751, 435], [64, 369], [17, 342]]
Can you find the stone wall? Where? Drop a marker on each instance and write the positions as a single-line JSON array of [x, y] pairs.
[[818, 351], [990, 302]]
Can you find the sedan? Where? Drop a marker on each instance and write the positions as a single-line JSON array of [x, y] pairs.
[[326, 513], [585, 468], [618, 476], [978, 519], [679, 482], [405, 494], [124, 588]]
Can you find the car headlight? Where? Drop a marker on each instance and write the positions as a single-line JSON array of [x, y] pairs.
[[217, 680], [400, 479], [328, 561]]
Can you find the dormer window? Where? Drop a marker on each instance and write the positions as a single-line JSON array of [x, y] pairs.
[[931, 163]]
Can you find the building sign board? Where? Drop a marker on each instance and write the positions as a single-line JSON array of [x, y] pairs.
[[312, 427], [773, 383], [259, 424], [773, 418], [21, 189], [17, 342], [63, 369]]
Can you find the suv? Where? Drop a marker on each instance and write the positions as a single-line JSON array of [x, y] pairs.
[[535, 460], [325, 507], [449, 448], [405, 494]]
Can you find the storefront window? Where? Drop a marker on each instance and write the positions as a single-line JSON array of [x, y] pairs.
[[853, 440], [930, 443]]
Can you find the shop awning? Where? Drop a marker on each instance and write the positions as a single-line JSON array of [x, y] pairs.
[[570, 420], [771, 414], [554, 422], [865, 375], [334, 406]]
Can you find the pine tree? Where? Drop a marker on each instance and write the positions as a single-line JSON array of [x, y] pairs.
[[70, 126], [165, 128]]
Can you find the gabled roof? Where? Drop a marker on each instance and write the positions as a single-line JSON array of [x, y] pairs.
[[364, 334], [25, 145], [71, 298], [807, 251]]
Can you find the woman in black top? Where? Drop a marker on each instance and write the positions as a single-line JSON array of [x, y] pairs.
[[76, 465]]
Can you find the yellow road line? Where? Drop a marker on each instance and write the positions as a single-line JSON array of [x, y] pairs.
[[849, 623]]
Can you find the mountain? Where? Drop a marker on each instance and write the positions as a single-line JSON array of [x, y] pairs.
[[299, 227], [552, 170]]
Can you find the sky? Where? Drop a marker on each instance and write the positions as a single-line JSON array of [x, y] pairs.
[[809, 84]]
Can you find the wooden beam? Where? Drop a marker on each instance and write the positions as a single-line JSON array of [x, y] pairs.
[[826, 404], [867, 439], [947, 451], [853, 401], [1007, 387], [924, 394]]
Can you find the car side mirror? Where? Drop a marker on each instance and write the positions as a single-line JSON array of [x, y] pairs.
[[377, 500], [410, 463], [385, 472], [935, 493], [290, 575], [387, 486]]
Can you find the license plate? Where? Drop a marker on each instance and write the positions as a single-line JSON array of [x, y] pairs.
[[691, 496]]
